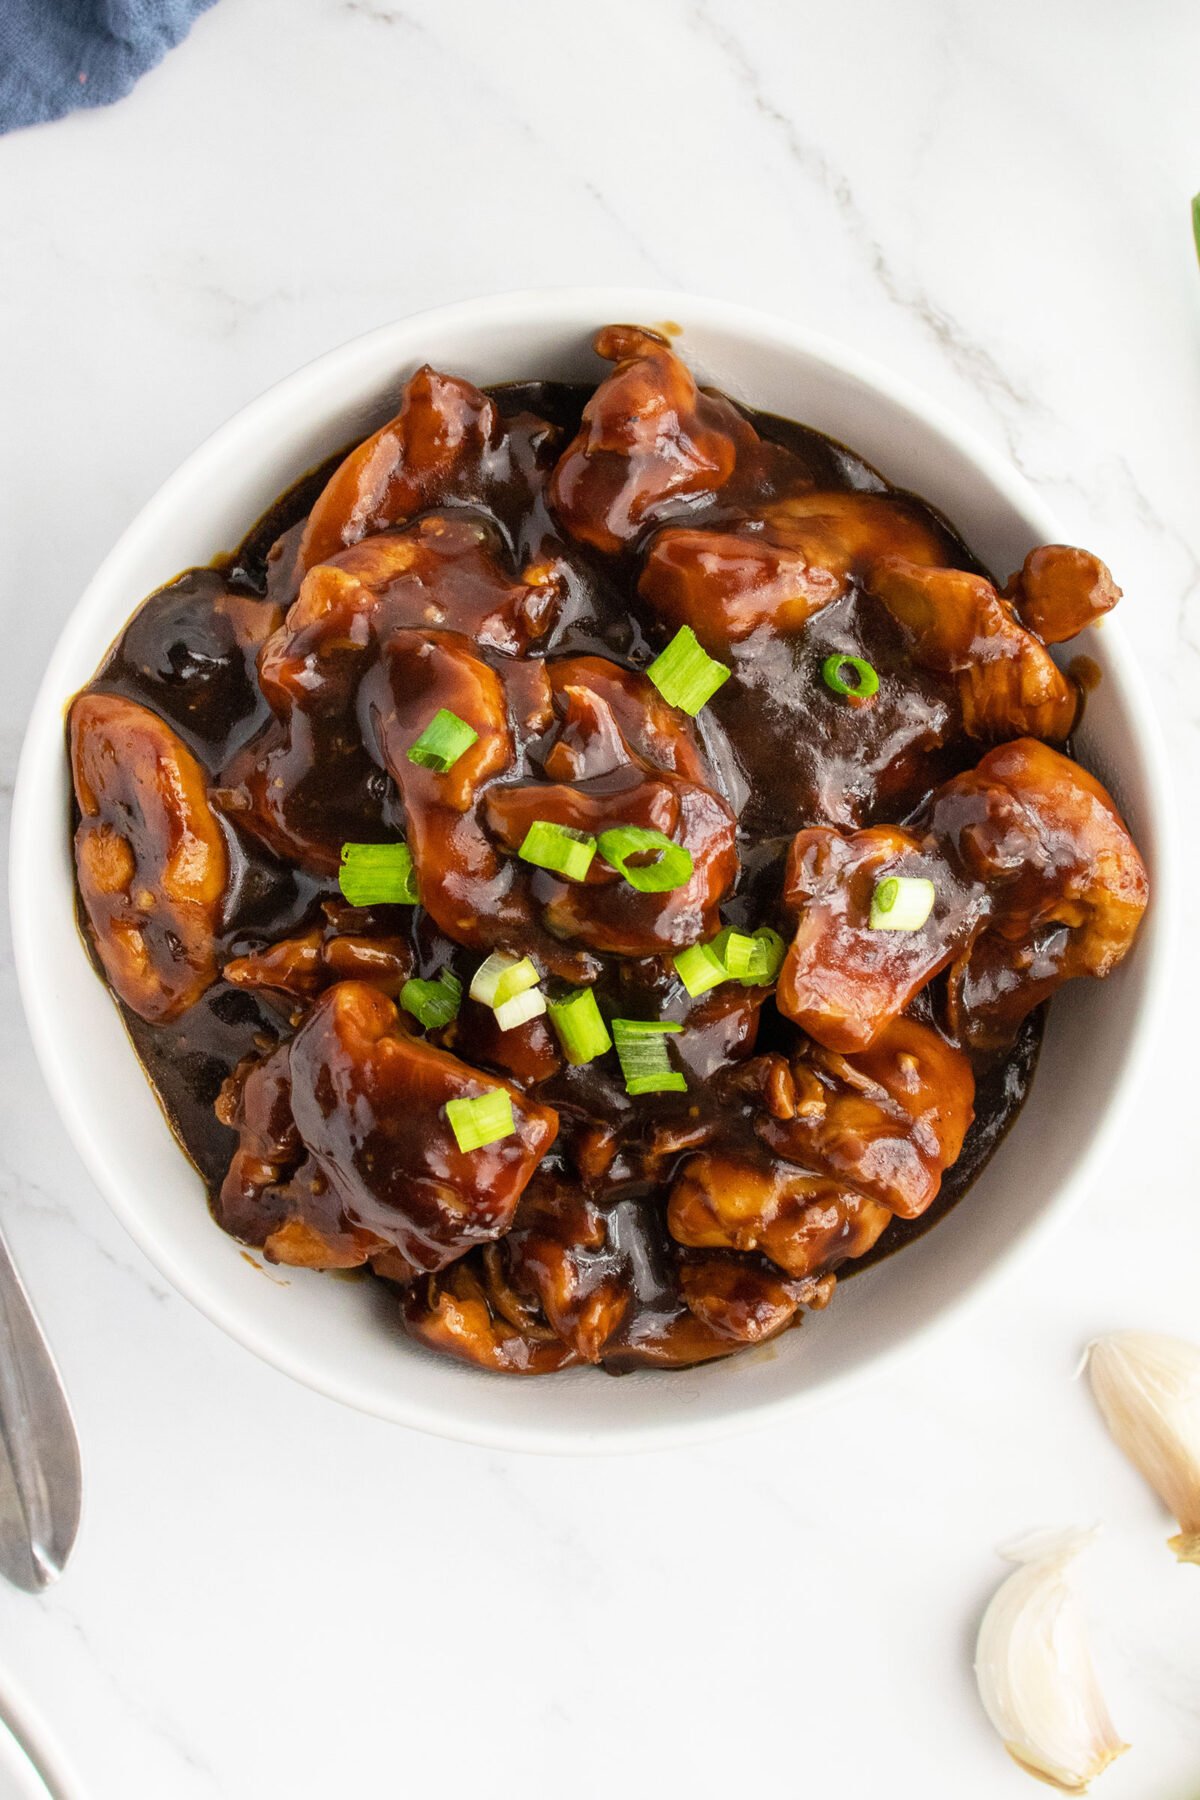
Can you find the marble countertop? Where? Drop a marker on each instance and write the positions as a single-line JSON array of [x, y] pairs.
[[273, 1596]]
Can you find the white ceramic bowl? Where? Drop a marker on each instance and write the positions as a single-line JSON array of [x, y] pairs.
[[341, 1337]]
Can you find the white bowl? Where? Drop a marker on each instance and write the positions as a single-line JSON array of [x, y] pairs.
[[340, 1337]]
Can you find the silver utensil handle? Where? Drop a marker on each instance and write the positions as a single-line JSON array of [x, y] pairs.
[[40, 1477]]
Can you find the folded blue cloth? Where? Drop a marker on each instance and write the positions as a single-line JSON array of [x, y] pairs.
[[56, 55]]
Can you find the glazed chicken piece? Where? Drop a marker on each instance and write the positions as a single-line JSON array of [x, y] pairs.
[[621, 756], [956, 624], [841, 981], [558, 1291], [303, 787], [274, 1196], [649, 443], [421, 674], [727, 584], [369, 1104], [846, 533], [1069, 906], [735, 1299], [805, 1223], [306, 784], [803, 552], [774, 596], [996, 983], [726, 1303], [720, 1030], [852, 1142], [345, 1155], [584, 1263], [887, 1121], [302, 966], [459, 1314], [473, 893], [529, 1053], [446, 572], [151, 861], [444, 431], [1059, 591], [559, 1251], [1045, 832], [1027, 848]]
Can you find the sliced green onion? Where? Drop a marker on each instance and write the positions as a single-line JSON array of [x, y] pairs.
[[865, 681], [481, 1121], [755, 960], [656, 1081], [642, 1051], [671, 868], [685, 674], [520, 1009], [665, 1081], [568, 853], [378, 875], [581, 1029], [502, 978], [901, 903], [700, 968], [766, 958], [433, 1003], [442, 742], [736, 953]]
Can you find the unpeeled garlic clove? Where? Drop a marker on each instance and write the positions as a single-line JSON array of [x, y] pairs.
[[1147, 1386], [1035, 1672]]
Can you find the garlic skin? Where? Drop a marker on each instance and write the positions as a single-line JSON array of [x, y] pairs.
[[1035, 1672], [1147, 1386]]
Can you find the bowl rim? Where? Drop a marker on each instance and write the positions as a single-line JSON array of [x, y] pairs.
[[287, 399]]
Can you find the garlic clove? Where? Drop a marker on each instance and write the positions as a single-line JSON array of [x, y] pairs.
[[1147, 1386], [1034, 1668]]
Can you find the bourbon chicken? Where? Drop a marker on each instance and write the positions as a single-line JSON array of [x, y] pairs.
[[596, 860]]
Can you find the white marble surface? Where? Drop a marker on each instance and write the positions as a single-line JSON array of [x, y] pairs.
[[271, 1596]]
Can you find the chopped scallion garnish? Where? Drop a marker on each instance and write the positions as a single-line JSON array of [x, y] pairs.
[[861, 682], [671, 868], [484, 1120], [767, 958], [642, 1051], [753, 959], [700, 968], [520, 1009], [433, 1003], [557, 847], [581, 1029], [901, 903], [736, 953], [685, 674], [442, 742], [502, 978], [378, 875]]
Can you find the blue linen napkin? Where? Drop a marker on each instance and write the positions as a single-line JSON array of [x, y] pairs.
[[56, 55]]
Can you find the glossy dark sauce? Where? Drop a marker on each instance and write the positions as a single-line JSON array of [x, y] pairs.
[[788, 755]]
